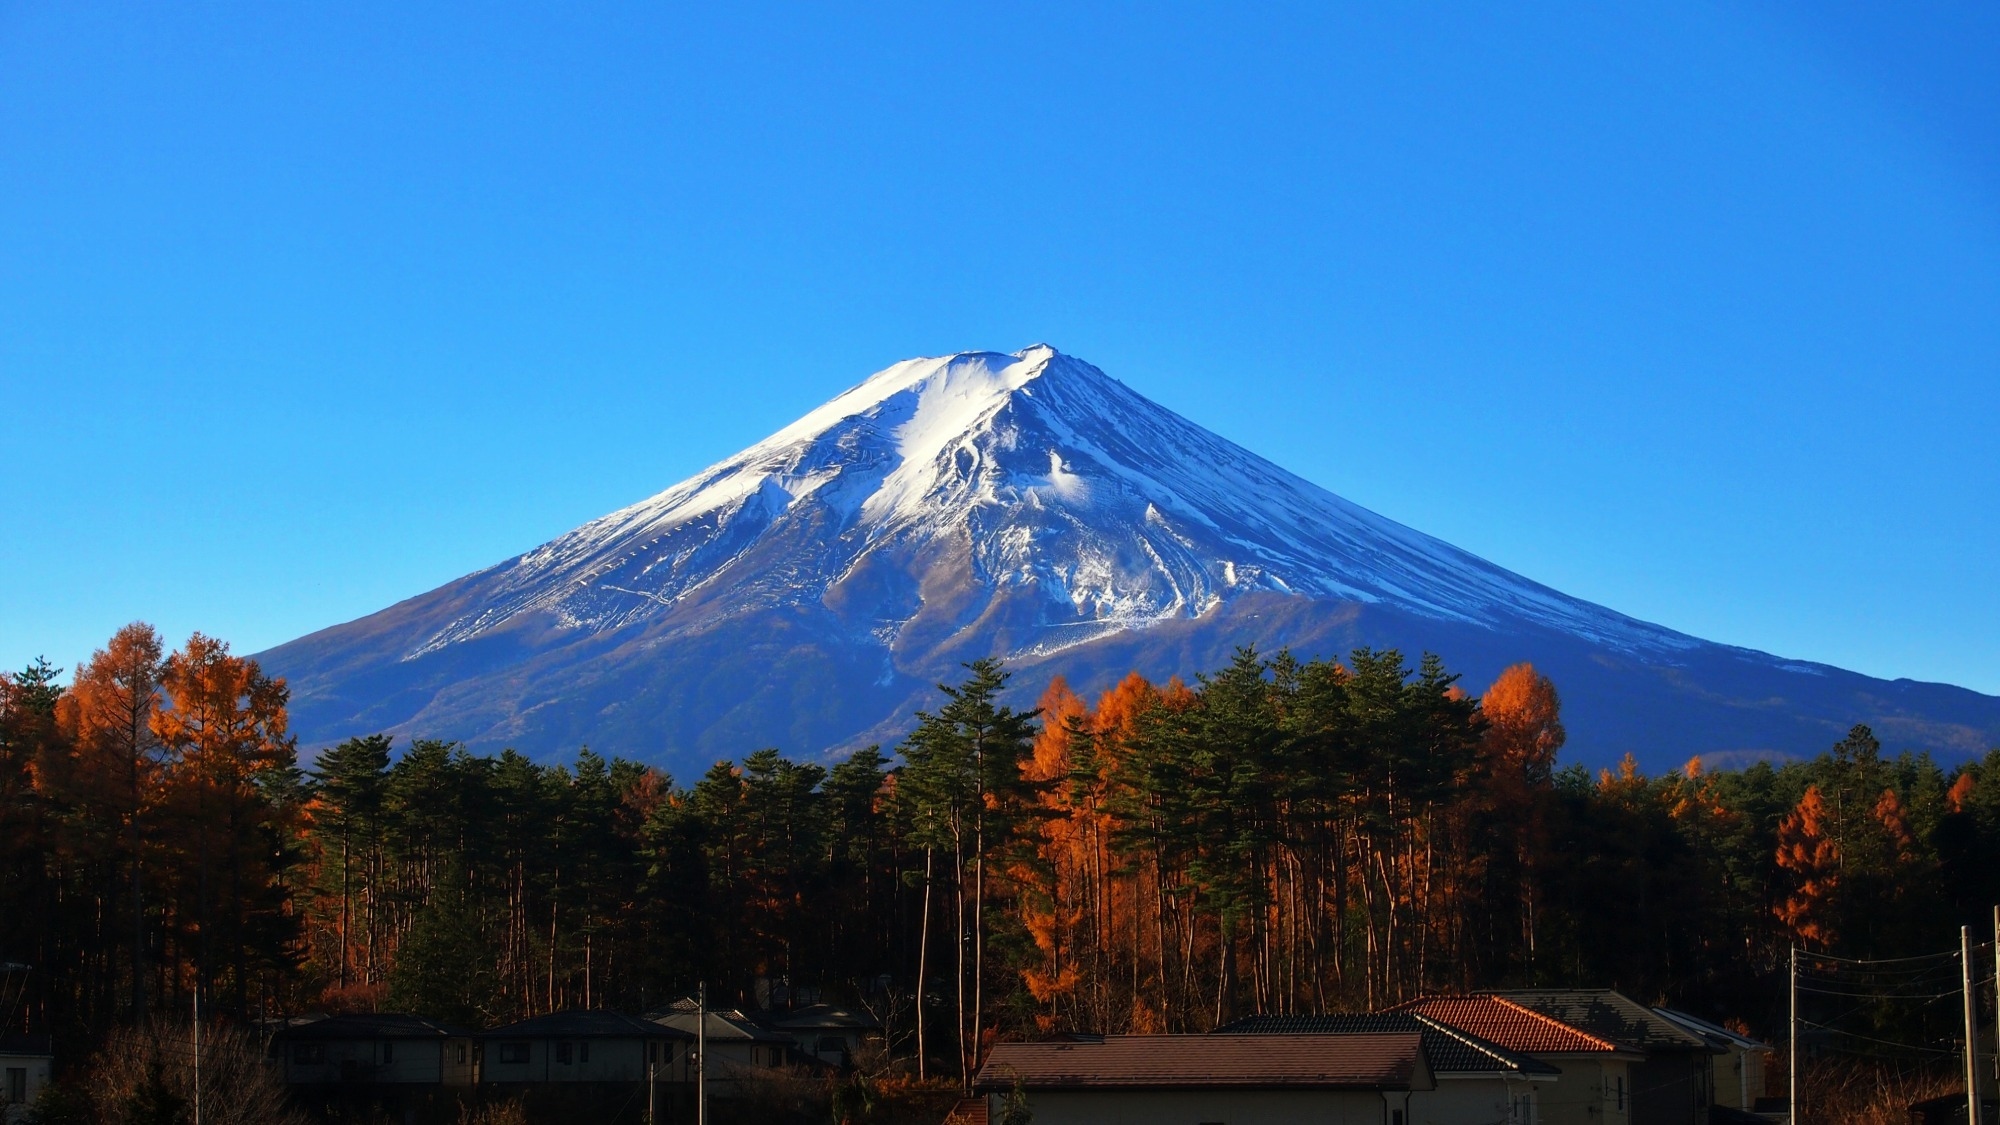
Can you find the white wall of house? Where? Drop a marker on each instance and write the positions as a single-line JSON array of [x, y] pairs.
[[1739, 1077], [1201, 1107], [386, 1061], [1589, 1092], [1487, 1100], [740, 1053], [21, 1080], [579, 1060]]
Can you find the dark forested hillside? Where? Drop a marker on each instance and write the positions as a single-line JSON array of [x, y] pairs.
[[1272, 836]]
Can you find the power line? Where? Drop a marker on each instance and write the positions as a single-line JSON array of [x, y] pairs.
[[1930, 991], [1951, 955]]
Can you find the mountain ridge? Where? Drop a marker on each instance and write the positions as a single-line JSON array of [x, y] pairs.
[[1026, 505]]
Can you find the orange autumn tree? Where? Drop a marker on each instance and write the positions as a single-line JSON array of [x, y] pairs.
[[1808, 854], [1524, 730], [1894, 825], [1053, 875], [1516, 757], [107, 715], [230, 799]]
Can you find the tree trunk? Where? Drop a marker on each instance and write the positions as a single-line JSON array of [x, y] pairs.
[[923, 959]]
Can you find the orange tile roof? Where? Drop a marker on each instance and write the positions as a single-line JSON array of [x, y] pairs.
[[1509, 1025]]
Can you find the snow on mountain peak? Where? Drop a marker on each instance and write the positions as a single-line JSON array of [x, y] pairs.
[[981, 478]]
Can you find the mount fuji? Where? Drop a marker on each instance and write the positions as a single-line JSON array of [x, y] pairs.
[[809, 592]]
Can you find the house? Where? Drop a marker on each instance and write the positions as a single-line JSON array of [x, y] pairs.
[[737, 1044], [585, 1046], [832, 1035], [1594, 1087], [1475, 1080], [1670, 1084], [378, 1049], [1950, 1109], [1241, 1079], [1736, 1072], [24, 1070]]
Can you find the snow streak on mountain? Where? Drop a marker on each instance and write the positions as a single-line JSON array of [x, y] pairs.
[[1027, 505]]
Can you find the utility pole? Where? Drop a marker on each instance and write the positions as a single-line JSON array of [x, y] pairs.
[[1792, 1045], [701, 1054], [197, 1050], [1971, 1027]]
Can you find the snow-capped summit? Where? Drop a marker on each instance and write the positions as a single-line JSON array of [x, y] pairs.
[[808, 590], [1029, 473]]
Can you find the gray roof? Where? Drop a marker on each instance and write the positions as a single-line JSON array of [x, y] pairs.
[[596, 1023], [1447, 1049], [723, 1025], [1610, 1014], [815, 1016], [1715, 1033], [371, 1025]]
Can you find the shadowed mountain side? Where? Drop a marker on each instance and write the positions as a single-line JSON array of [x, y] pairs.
[[686, 693]]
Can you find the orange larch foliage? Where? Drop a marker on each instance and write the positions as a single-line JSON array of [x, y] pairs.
[[1060, 707], [1693, 795], [1119, 708], [107, 714], [223, 729], [1812, 858], [1895, 826], [1961, 792], [1628, 782], [1523, 730], [1049, 885]]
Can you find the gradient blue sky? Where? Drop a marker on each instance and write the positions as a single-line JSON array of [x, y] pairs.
[[1692, 310]]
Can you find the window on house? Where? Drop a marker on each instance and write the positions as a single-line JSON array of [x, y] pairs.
[[586, 1053], [17, 1084], [1395, 1117], [308, 1053], [565, 1053], [1621, 1092], [514, 1053], [388, 1052], [458, 1053]]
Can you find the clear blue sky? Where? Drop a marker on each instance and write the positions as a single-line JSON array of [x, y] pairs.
[[1692, 310]]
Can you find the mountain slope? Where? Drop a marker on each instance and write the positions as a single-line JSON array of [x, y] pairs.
[[807, 593]]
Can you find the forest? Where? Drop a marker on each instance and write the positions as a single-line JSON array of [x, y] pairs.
[[1271, 836]]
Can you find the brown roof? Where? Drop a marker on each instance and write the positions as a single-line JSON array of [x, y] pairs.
[[1509, 1025], [1136, 1062]]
